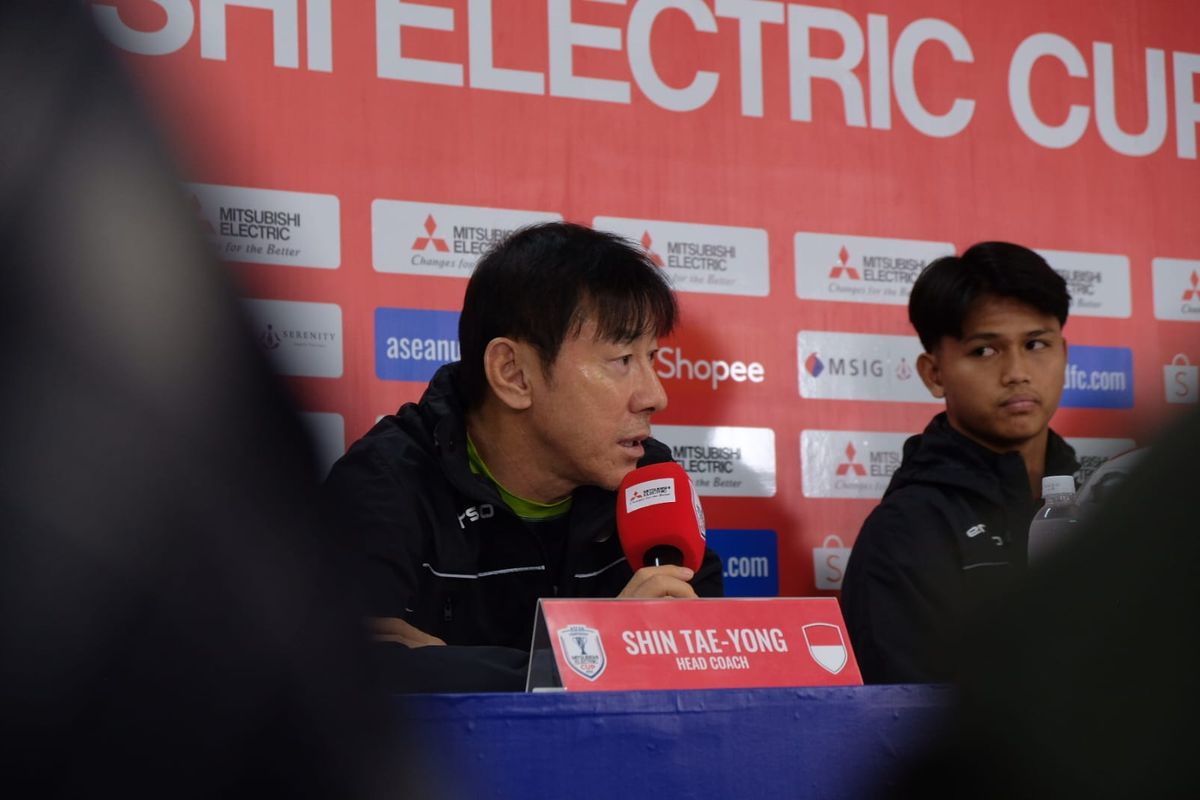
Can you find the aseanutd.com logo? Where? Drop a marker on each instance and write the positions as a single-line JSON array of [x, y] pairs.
[[411, 344], [712, 259], [1098, 377], [860, 269], [417, 238]]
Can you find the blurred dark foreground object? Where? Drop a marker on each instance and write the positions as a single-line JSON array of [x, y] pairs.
[[170, 623], [1087, 685]]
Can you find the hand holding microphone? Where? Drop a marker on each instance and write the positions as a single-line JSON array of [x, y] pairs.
[[661, 528]]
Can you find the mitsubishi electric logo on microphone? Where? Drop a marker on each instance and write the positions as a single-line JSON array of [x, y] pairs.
[[649, 493]]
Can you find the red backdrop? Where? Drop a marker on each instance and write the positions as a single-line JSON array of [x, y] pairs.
[[838, 119]]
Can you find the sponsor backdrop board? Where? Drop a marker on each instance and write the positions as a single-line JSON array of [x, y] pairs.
[[792, 167]]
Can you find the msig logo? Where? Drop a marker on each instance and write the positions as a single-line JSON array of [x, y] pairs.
[[1098, 377], [411, 343], [751, 560]]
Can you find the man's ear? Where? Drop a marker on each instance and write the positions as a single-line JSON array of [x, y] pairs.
[[931, 375], [506, 364]]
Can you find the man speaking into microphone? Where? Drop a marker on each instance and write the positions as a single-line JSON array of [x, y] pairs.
[[499, 486]]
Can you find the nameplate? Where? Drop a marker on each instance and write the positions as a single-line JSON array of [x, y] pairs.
[[603, 645]]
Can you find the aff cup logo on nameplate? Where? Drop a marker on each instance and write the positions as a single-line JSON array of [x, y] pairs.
[[826, 646], [583, 650]]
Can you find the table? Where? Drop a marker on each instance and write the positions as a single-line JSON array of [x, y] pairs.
[[840, 742]]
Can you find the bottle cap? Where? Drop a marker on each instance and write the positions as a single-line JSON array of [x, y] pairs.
[[1058, 484]]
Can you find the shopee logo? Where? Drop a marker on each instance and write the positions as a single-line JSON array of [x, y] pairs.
[[671, 364]]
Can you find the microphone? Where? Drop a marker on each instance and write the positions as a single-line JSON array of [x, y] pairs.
[[659, 519]]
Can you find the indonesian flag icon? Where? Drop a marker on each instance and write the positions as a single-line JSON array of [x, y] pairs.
[[826, 646]]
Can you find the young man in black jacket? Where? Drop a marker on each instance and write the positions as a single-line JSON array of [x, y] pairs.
[[497, 488], [953, 524]]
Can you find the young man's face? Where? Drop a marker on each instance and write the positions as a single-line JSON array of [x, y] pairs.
[[592, 412], [1003, 379]]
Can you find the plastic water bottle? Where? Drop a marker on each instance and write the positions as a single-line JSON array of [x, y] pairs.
[[1056, 521]]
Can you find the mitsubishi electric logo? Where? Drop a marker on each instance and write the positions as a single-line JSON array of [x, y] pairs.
[[441, 240], [842, 267], [648, 246], [724, 461], [429, 240], [1092, 453], [1176, 289], [849, 464], [1097, 282], [860, 269], [268, 226], [649, 493], [712, 259], [1193, 293]]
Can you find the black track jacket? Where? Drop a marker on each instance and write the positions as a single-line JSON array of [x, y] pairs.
[[444, 553], [952, 529]]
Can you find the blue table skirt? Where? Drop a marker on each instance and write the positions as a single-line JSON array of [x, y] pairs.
[[845, 742]]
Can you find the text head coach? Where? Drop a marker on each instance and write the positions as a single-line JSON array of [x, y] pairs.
[[498, 487]]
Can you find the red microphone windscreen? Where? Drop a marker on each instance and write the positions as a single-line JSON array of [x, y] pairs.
[[657, 506]]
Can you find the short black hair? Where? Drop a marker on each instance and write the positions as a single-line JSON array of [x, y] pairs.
[[949, 287], [543, 282]]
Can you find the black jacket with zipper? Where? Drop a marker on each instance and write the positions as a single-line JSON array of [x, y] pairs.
[[445, 554], [949, 535]]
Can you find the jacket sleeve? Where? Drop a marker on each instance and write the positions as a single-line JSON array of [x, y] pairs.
[[896, 600], [709, 580], [374, 514]]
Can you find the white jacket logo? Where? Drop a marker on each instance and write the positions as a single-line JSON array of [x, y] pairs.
[[975, 530], [476, 513]]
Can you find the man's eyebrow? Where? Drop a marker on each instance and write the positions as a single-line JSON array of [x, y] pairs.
[[987, 336]]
